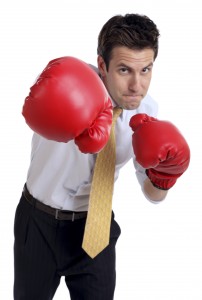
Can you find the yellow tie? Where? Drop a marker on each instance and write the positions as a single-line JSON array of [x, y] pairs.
[[97, 228]]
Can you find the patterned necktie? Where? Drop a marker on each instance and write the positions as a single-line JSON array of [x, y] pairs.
[[97, 228]]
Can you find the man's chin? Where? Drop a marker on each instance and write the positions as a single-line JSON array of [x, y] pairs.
[[130, 106]]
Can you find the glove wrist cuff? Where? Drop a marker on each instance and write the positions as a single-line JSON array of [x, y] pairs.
[[160, 180]]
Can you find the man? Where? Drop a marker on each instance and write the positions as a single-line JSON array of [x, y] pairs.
[[51, 216]]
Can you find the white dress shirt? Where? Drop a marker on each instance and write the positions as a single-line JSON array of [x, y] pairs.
[[60, 175]]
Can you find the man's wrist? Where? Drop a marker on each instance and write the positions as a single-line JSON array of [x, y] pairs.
[[153, 193]]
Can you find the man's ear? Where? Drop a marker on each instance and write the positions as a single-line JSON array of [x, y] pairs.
[[101, 66]]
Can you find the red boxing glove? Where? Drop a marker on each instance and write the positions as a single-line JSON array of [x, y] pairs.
[[160, 148], [69, 101]]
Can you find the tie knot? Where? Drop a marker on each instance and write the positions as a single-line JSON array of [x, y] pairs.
[[116, 113]]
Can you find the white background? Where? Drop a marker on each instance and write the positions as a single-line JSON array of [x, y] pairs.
[[159, 254]]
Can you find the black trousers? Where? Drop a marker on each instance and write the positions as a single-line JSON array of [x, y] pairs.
[[46, 249]]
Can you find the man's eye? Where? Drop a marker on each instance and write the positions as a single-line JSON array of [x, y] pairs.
[[146, 70], [123, 70]]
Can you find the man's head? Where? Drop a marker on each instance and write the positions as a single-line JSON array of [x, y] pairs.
[[132, 31], [127, 48]]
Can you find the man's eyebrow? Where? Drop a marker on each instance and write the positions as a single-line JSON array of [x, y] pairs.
[[128, 67], [149, 65], [123, 65]]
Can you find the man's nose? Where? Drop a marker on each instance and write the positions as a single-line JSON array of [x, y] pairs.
[[134, 83]]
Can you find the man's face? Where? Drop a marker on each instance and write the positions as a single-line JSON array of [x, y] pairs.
[[128, 77]]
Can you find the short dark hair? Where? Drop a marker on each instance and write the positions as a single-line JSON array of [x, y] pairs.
[[131, 30]]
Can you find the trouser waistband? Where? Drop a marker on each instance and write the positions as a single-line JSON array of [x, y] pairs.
[[56, 213]]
